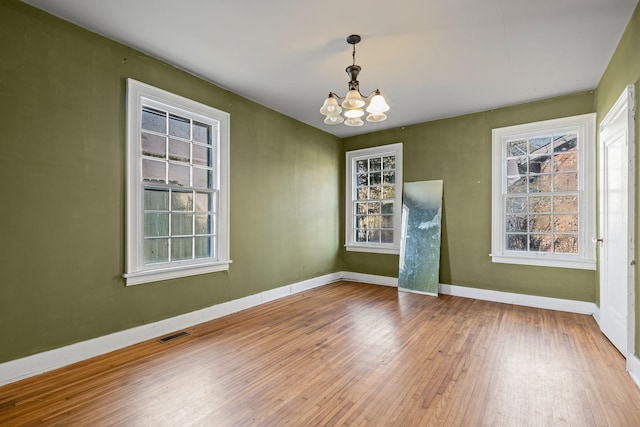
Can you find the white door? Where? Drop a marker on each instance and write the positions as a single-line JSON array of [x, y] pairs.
[[616, 214]]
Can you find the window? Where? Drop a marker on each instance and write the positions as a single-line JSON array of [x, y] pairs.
[[374, 199], [177, 186], [544, 193]]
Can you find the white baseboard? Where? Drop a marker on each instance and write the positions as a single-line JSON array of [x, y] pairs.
[[633, 367], [370, 278], [581, 307], [29, 366]]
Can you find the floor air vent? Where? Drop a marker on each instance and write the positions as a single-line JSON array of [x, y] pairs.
[[173, 337]]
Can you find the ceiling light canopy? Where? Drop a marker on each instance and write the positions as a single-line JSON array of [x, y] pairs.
[[354, 102]]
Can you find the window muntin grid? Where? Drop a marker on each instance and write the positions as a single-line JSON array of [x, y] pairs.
[[541, 208], [179, 186], [374, 184]]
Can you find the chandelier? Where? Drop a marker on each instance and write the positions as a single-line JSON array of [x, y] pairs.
[[353, 102]]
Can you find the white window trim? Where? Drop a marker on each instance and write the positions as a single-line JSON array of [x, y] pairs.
[[136, 272], [586, 259], [380, 248]]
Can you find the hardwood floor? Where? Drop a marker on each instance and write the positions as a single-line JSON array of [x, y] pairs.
[[348, 354]]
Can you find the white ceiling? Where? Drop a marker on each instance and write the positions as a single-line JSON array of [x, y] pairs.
[[429, 58]]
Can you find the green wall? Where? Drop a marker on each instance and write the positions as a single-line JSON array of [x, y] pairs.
[[623, 70], [62, 164], [458, 151]]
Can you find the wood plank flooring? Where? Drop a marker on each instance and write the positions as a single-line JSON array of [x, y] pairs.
[[348, 354]]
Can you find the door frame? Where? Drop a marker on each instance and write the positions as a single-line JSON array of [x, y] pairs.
[[625, 105]]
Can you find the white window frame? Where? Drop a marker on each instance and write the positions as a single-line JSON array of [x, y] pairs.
[[584, 126], [352, 157], [139, 94]]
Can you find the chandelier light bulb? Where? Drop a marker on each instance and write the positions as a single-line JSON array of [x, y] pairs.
[[354, 113], [377, 104], [353, 100], [354, 122], [333, 120], [376, 117], [330, 106]]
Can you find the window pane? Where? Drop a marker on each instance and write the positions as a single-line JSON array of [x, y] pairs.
[[516, 204], [362, 193], [373, 208], [361, 208], [361, 222], [204, 224], [516, 242], [565, 203], [565, 223], [568, 142], [181, 224], [373, 236], [156, 250], [181, 201], [181, 248], [387, 207], [517, 148], [388, 192], [202, 178], [201, 132], [517, 223], [361, 236], [156, 200], [204, 247], [540, 204], [179, 126], [179, 150], [540, 164], [389, 177], [540, 223], [154, 171], [540, 243], [375, 193], [565, 162], [566, 244], [518, 166], [375, 164], [204, 202], [517, 185], [362, 179], [156, 224], [565, 182], [386, 236], [362, 166], [389, 162], [387, 221], [202, 155], [375, 178], [539, 145], [154, 120], [373, 221], [154, 145], [540, 184], [179, 175]]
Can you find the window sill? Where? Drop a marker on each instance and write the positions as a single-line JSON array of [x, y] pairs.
[[372, 249], [542, 261], [156, 275]]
